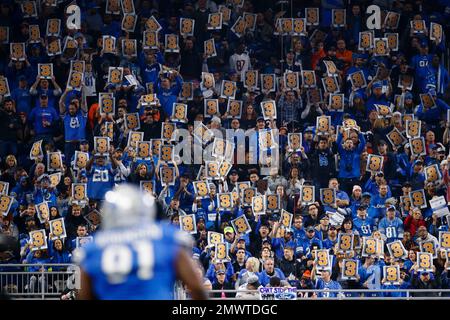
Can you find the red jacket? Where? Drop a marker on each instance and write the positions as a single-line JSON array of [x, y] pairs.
[[412, 224]]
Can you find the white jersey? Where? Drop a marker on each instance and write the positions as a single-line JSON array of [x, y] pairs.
[[240, 63]]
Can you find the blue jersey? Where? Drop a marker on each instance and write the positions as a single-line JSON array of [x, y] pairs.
[[134, 263], [100, 181], [392, 229], [365, 227], [326, 286], [372, 275], [75, 126]]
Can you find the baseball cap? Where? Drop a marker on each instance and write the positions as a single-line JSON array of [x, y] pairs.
[[418, 163], [306, 274], [408, 95], [390, 208], [366, 194], [310, 228], [220, 271], [309, 129], [228, 229], [234, 171], [260, 118], [253, 280], [362, 207], [377, 85]]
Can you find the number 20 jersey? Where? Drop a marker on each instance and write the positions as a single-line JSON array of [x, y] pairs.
[[133, 263]]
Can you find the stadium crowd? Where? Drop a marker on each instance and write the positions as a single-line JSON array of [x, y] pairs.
[[362, 189]]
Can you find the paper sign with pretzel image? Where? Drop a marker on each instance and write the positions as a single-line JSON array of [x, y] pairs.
[[188, 223], [307, 195], [45, 70], [76, 80], [17, 51], [54, 161], [57, 229], [299, 27], [209, 48], [418, 199], [259, 205], [358, 80], [208, 81], [428, 246], [4, 87], [350, 269], [201, 189], [115, 75], [129, 22], [226, 14], [291, 80], [330, 84], [78, 65], [374, 163], [312, 16], [214, 21], [101, 146], [251, 79], [146, 186], [152, 24], [228, 89], [436, 32], [330, 67], [36, 150], [323, 125], [241, 225], [392, 41], [187, 91], [34, 34], [179, 112], [338, 18], [109, 44], [55, 178], [294, 142], [143, 150], [432, 173], [129, 48], [221, 251], [5, 204], [268, 83], [286, 219], [336, 102], [417, 146], [107, 103], [166, 153], [314, 96], [365, 41], [187, 27], [391, 275], [225, 201], [250, 21], [150, 40], [112, 7], [79, 193], [418, 27], [424, 262], [53, 27], [308, 78], [322, 260], [4, 187], [133, 137], [372, 247], [167, 175], [38, 240], [397, 250], [234, 109], [405, 82], [247, 195], [214, 237], [202, 133], [211, 107], [127, 6], [212, 170], [239, 27], [80, 160], [444, 240], [273, 203], [391, 20], [345, 242], [29, 9], [328, 196], [381, 47], [269, 109], [171, 43], [396, 138]]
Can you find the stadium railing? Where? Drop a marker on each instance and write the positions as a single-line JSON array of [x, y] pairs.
[[344, 294], [37, 281]]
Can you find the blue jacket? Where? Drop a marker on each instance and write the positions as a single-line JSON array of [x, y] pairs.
[[350, 158], [38, 115], [264, 278], [433, 115]]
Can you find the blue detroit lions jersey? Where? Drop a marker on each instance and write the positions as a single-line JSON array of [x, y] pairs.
[[365, 227], [133, 263], [100, 181]]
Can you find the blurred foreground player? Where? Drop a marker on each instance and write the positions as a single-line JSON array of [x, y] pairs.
[[134, 257]]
